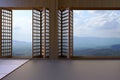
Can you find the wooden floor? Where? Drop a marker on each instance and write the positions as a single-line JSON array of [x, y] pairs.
[[67, 70]]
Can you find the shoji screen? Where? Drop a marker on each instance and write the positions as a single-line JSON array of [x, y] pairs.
[[45, 33], [65, 32], [6, 33], [41, 33], [36, 32]]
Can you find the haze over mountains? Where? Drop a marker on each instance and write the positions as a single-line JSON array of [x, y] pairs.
[[87, 23], [21, 48], [91, 46], [83, 46], [93, 42]]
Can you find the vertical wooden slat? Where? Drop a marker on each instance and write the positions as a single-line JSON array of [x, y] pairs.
[[11, 31], [42, 29], [32, 35], [44, 33], [72, 35], [61, 35], [0, 32], [69, 33], [41, 32]]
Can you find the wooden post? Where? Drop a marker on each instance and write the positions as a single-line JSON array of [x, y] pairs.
[[53, 29], [61, 35]]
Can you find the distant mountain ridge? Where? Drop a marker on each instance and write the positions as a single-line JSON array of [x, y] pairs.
[[15, 41], [115, 47], [22, 48], [83, 46], [93, 42]]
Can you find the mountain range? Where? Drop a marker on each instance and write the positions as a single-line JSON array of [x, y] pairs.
[[22, 48], [83, 46], [93, 42]]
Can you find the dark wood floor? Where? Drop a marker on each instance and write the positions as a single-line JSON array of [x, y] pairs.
[[67, 70]]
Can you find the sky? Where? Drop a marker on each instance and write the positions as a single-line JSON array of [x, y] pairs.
[[22, 25], [87, 23], [97, 23]]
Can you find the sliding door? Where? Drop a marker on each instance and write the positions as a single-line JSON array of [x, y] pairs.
[[36, 33], [40, 33], [5, 33], [65, 32]]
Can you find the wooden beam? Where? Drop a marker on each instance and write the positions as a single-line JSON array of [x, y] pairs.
[[89, 4], [75, 4], [24, 4]]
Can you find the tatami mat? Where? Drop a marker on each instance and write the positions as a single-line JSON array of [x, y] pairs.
[[9, 65]]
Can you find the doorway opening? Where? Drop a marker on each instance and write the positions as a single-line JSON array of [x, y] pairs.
[[96, 33], [22, 33], [25, 33]]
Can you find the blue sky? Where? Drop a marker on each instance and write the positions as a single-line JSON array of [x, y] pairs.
[[22, 25], [97, 23], [87, 23]]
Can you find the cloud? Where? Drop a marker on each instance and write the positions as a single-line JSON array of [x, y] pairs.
[[112, 25], [16, 28], [98, 23]]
